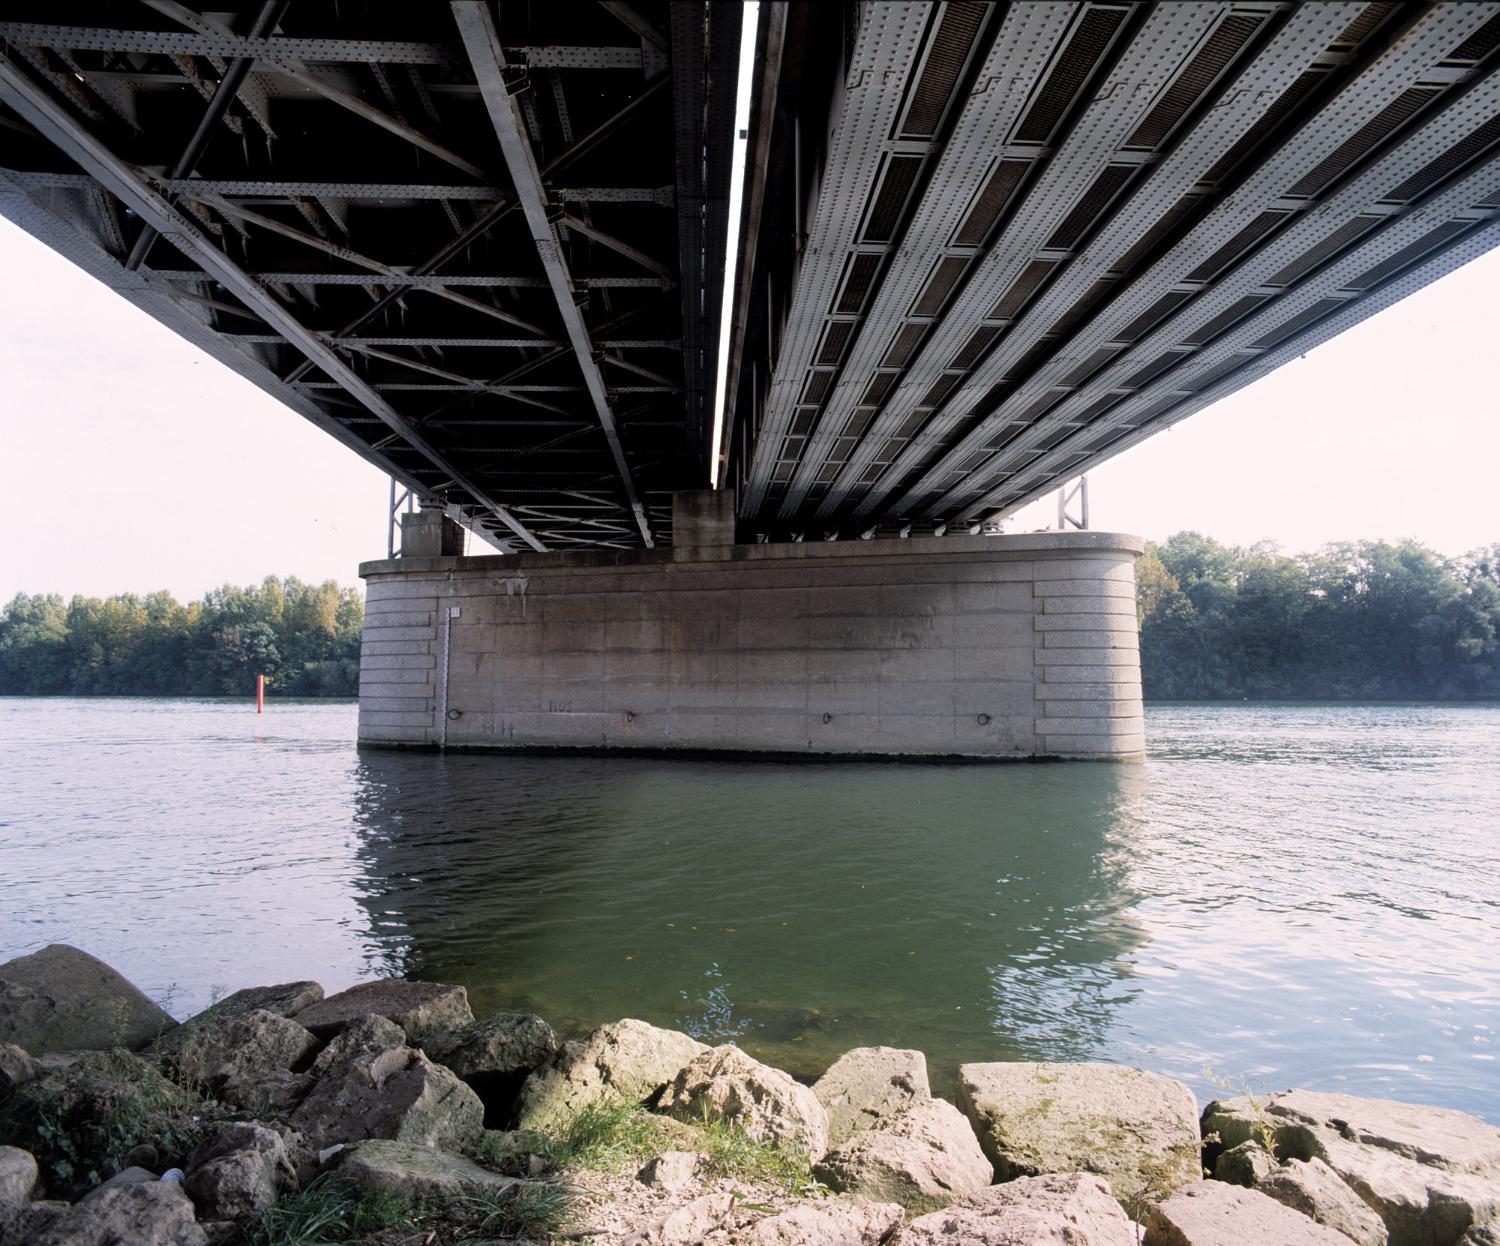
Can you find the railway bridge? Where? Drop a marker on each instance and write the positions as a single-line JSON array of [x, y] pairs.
[[741, 441]]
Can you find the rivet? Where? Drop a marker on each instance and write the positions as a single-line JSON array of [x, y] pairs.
[[984, 720]]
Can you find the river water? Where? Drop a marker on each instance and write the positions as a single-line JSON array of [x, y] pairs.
[[1288, 895]]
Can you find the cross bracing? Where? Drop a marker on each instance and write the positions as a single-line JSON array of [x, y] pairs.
[[982, 246], [319, 197]]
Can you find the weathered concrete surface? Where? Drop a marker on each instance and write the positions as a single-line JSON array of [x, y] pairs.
[[1136, 1129], [961, 646]]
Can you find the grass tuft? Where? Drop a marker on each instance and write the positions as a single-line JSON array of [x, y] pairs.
[[325, 1213], [734, 1153], [607, 1136], [527, 1209]]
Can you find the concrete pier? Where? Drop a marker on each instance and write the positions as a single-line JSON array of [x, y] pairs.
[[977, 647]]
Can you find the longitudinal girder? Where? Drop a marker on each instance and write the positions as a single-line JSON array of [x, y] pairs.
[[983, 247], [508, 321], [1033, 234]]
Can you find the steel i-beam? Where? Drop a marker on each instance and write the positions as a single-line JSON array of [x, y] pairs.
[[50, 118], [482, 44]]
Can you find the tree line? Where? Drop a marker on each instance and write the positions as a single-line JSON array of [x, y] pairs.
[[303, 637], [1366, 620]]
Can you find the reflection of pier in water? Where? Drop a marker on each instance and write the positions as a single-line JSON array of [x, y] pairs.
[[974, 912]]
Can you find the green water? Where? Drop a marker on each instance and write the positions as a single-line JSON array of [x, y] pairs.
[[1292, 895]]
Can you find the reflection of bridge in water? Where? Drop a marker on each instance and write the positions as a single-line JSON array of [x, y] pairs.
[[984, 247], [964, 911]]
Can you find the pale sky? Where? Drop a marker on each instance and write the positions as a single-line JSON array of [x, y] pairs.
[[133, 462]]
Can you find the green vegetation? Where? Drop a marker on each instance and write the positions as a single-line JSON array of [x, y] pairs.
[[608, 1136], [326, 1212], [531, 1210], [1367, 620], [304, 638], [613, 1136], [82, 1125]]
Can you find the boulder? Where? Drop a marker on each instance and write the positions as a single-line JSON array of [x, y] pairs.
[[724, 1083], [496, 1053], [241, 1048], [690, 1223], [1315, 1190], [423, 1009], [923, 1157], [1247, 1164], [397, 1094], [277, 1090], [867, 1083], [157, 1212], [360, 1037], [828, 1224], [1137, 1130], [20, 1226], [16, 1067], [1214, 1213], [61, 999], [418, 1173], [286, 1000], [1060, 1209], [627, 1060], [133, 1175], [18, 1174], [1431, 1174], [673, 1170], [236, 1174]]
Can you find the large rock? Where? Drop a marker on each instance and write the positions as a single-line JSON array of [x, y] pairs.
[[283, 1000], [156, 1212], [923, 1156], [1214, 1213], [1315, 1190], [241, 1049], [360, 1037], [417, 1173], [16, 1068], [1061, 1209], [867, 1083], [626, 1060], [61, 999], [1432, 1174], [1137, 1130], [423, 1009], [397, 1094], [828, 1224], [500, 1049], [724, 1083], [1247, 1164], [236, 1174], [18, 1174]]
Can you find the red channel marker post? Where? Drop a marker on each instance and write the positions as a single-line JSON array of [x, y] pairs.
[[260, 694]]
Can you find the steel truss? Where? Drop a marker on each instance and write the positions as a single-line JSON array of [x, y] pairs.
[[320, 198]]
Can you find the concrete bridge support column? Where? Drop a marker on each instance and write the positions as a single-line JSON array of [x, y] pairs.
[[979, 647]]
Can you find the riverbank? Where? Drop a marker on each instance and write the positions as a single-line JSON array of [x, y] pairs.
[[388, 1114]]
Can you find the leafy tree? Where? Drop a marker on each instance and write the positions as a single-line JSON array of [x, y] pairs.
[[303, 637], [1364, 619]]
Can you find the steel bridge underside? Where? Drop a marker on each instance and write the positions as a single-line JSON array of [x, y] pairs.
[[1009, 241], [983, 246], [475, 243]]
